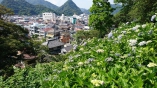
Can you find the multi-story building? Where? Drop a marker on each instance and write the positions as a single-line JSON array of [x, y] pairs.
[[48, 16]]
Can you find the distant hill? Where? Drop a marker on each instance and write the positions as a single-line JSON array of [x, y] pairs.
[[44, 3], [85, 11], [69, 8], [22, 7], [117, 8]]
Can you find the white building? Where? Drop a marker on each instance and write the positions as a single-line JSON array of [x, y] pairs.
[[48, 16], [62, 18]]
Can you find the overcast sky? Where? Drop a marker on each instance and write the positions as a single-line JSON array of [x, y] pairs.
[[80, 3]]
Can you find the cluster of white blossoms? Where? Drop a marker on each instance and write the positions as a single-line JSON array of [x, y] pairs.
[[142, 43], [136, 27], [144, 25], [120, 37], [81, 49], [151, 64], [80, 63], [100, 51], [97, 83], [109, 59], [110, 35], [132, 42]]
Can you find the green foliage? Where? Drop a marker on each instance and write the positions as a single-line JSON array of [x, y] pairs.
[[101, 17], [4, 12], [126, 59], [69, 8], [84, 35], [22, 7], [14, 38], [139, 11]]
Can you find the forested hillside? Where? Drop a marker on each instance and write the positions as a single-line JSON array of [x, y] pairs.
[[22, 7], [44, 3], [69, 8]]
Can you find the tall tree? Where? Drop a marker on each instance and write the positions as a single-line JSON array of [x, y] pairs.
[[101, 16], [5, 12]]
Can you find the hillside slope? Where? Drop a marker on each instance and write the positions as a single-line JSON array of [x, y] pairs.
[[22, 7], [69, 8], [44, 3], [125, 58]]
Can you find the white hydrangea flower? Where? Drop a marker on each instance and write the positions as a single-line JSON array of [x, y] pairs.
[[100, 51], [110, 35], [134, 49], [136, 27], [151, 64], [142, 43], [80, 63], [120, 37], [109, 59], [144, 25], [81, 49], [132, 42], [97, 83], [127, 23], [123, 32]]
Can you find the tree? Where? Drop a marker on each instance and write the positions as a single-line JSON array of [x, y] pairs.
[[101, 17], [12, 39], [136, 10], [5, 12], [84, 35]]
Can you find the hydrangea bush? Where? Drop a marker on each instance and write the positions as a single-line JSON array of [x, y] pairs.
[[124, 59]]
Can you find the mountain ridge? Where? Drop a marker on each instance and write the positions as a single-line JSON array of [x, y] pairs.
[[69, 8], [44, 3], [21, 7]]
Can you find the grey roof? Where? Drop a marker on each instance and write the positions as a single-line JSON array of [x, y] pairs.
[[68, 48], [54, 43]]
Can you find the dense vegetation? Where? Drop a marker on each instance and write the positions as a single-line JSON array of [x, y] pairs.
[[44, 3], [69, 8], [124, 59], [22, 7], [139, 11], [101, 16], [12, 39], [84, 35]]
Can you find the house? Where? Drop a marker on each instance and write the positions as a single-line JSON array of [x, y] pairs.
[[55, 46], [65, 37]]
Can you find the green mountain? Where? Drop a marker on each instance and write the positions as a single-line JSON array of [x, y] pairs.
[[85, 11], [69, 8], [44, 3], [117, 8], [21, 7]]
